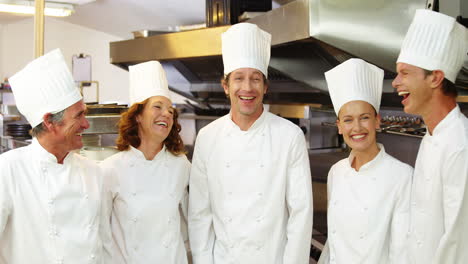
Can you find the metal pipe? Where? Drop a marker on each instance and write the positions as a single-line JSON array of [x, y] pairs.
[[39, 29]]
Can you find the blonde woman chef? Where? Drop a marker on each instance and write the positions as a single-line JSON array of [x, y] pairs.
[[368, 192]]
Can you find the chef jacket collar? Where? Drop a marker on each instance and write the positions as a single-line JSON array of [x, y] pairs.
[[371, 163], [43, 155], [257, 124], [137, 155], [444, 124]]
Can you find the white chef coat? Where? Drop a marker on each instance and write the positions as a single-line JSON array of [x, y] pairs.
[[439, 202], [250, 194], [145, 196], [368, 211], [50, 212]]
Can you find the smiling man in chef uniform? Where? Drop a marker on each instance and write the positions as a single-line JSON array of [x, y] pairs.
[[49, 197], [431, 56], [250, 186]]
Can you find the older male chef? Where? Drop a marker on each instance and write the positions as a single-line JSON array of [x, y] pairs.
[[250, 186], [49, 197], [431, 56]]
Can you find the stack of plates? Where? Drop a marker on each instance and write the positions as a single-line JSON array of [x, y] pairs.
[[18, 130]]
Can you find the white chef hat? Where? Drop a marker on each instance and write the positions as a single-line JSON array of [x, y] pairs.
[[355, 80], [44, 86], [245, 45], [435, 42], [147, 79]]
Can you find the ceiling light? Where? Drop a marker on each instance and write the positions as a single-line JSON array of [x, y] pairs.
[[28, 7]]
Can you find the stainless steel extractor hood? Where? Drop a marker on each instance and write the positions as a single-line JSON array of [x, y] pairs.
[[309, 37]]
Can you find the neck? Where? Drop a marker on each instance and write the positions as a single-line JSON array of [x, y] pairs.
[[245, 121], [363, 157], [439, 107], [150, 147], [55, 149]]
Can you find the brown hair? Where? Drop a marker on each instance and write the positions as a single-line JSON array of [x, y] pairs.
[[128, 131], [448, 87]]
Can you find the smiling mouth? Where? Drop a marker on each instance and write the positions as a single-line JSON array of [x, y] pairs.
[[161, 123], [247, 98], [358, 137], [404, 94]]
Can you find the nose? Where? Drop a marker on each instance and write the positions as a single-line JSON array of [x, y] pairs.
[[396, 82], [246, 85], [85, 123]]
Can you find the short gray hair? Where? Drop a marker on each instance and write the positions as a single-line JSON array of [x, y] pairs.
[[56, 118]]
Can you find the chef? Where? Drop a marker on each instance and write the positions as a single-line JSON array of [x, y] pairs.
[[49, 197], [431, 56], [149, 177], [368, 192], [250, 184]]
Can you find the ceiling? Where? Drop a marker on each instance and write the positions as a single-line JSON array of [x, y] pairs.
[[121, 17]]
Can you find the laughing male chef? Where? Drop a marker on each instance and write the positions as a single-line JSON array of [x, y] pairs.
[[250, 186], [431, 56], [49, 197]]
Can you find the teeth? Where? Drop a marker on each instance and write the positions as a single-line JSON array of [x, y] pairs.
[[402, 93], [246, 97], [161, 124], [358, 136]]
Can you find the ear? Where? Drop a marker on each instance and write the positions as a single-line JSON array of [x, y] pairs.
[[47, 123], [377, 121], [338, 125], [225, 87], [138, 118], [437, 77]]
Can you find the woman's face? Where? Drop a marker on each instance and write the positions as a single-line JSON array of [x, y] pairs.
[[357, 123], [157, 118]]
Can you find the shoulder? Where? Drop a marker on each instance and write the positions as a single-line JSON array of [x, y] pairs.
[[17, 155], [397, 168], [180, 160], [455, 137], [282, 123], [340, 166], [213, 127], [114, 160]]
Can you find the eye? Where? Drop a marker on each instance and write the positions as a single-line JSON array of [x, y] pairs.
[[347, 120], [157, 106]]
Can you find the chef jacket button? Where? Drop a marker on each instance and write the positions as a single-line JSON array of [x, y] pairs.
[[333, 231], [169, 220], [259, 247], [261, 165], [132, 165], [230, 193], [227, 165], [165, 245], [374, 178], [135, 220], [231, 246], [51, 201], [259, 194], [362, 236], [259, 219], [93, 257], [86, 196], [134, 193], [135, 248], [365, 208]]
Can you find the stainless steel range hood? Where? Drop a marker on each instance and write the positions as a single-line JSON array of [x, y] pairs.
[[309, 37]]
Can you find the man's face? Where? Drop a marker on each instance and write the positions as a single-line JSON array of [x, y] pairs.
[[412, 83], [246, 89], [69, 131]]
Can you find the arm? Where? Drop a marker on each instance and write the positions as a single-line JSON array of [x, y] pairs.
[[200, 222], [183, 209], [325, 256], [400, 221], [5, 200], [108, 187], [453, 244], [299, 202]]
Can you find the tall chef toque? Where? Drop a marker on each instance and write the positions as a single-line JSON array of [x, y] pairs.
[[355, 80], [147, 79], [44, 86], [245, 45], [435, 42]]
